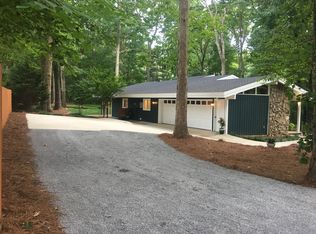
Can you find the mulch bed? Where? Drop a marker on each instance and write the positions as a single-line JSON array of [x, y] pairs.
[[27, 206], [278, 163]]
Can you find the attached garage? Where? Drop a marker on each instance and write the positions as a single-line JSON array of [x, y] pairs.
[[199, 112], [249, 106]]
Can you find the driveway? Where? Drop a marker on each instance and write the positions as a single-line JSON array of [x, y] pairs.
[[112, 176]]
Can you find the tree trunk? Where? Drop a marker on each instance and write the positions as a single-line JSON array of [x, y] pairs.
[[241, 66], [57, 73], [220, 44], [47, 61], [181, 128], [312, 167], [118, 46], [63, 87], [53, 90], [149, 63]]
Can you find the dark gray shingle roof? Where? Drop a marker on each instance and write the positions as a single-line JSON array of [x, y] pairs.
[[208, 84]]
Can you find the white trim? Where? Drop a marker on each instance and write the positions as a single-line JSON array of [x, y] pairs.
[[299, 112], [226, 115], [160, 106]]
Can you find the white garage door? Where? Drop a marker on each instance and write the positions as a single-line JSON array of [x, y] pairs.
[[199, 113]]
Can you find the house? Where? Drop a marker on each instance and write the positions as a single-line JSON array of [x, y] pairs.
[[249, 106]]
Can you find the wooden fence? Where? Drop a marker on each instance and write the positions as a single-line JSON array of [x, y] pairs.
[[5, 110]]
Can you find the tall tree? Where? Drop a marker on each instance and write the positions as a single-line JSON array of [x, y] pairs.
[[118, 44], [181, 127], [57, 79], [312, 168], [239, 25], [219, 28]]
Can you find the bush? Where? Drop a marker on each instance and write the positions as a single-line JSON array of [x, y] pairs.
[[305, 145], [271, 141], [292, 127]]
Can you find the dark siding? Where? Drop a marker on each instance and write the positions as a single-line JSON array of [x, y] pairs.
[[248, 115], [135, 109], [116, 106]]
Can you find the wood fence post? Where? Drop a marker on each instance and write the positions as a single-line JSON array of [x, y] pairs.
[[1, 130]]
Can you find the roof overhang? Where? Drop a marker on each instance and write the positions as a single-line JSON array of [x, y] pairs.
[[170, 95], [226, 94]]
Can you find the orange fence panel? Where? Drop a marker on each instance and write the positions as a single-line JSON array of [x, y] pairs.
[[5, 110], [6, 105]]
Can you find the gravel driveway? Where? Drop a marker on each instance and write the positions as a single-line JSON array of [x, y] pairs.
[[121, 181]]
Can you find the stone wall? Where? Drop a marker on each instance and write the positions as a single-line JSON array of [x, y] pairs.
[[279, 111]]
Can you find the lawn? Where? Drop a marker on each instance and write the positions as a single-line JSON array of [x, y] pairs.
[[86, 110]]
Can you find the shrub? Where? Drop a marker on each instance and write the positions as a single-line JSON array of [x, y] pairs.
[[305, 145], [271, 141], [221, 122], [292, 127]]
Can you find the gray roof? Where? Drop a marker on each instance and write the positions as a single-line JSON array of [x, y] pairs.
[[197, 84]]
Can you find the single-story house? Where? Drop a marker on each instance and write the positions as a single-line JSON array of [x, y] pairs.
[[249, 106]]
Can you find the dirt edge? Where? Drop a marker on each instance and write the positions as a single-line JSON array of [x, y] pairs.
[[27, 206]]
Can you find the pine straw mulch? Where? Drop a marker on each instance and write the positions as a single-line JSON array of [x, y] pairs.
[[27, 206], [278, 163]]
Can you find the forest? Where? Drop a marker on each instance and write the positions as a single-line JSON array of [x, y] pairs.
[[59, 51]]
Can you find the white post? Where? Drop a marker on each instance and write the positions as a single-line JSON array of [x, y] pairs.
[[299, 111], [226, 115]]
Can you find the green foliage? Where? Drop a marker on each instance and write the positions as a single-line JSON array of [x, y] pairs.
[[85, 110], [292, 127], [271, 141], [305, 145], [281, 39], [277, 139], [221, 122], [26, 85]]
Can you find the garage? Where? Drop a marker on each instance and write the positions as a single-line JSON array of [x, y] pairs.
[[199, 112]]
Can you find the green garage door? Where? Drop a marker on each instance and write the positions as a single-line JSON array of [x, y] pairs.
[[248, 115]]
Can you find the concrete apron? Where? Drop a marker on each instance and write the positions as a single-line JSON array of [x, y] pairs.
[[215, 135]]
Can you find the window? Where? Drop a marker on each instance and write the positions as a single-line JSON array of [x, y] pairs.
[[125, 103], [173, 101], [263, 89], [146, 104], [250, 91], [198, 102], [165, 101], [203, 102]]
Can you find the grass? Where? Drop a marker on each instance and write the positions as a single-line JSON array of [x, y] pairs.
[[86, 110]]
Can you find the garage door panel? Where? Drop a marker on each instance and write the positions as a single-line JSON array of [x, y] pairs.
[[198, 116]]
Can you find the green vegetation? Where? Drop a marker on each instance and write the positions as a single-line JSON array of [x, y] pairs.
[[277, 139], [95, 47], [86, 110]]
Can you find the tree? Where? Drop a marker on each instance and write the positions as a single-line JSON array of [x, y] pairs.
[[312, 167], [181, 127], [239, 25], [105, 88], [219, 28]]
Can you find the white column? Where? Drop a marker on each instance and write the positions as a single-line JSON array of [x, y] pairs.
[[226, 115], [299, 112]]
